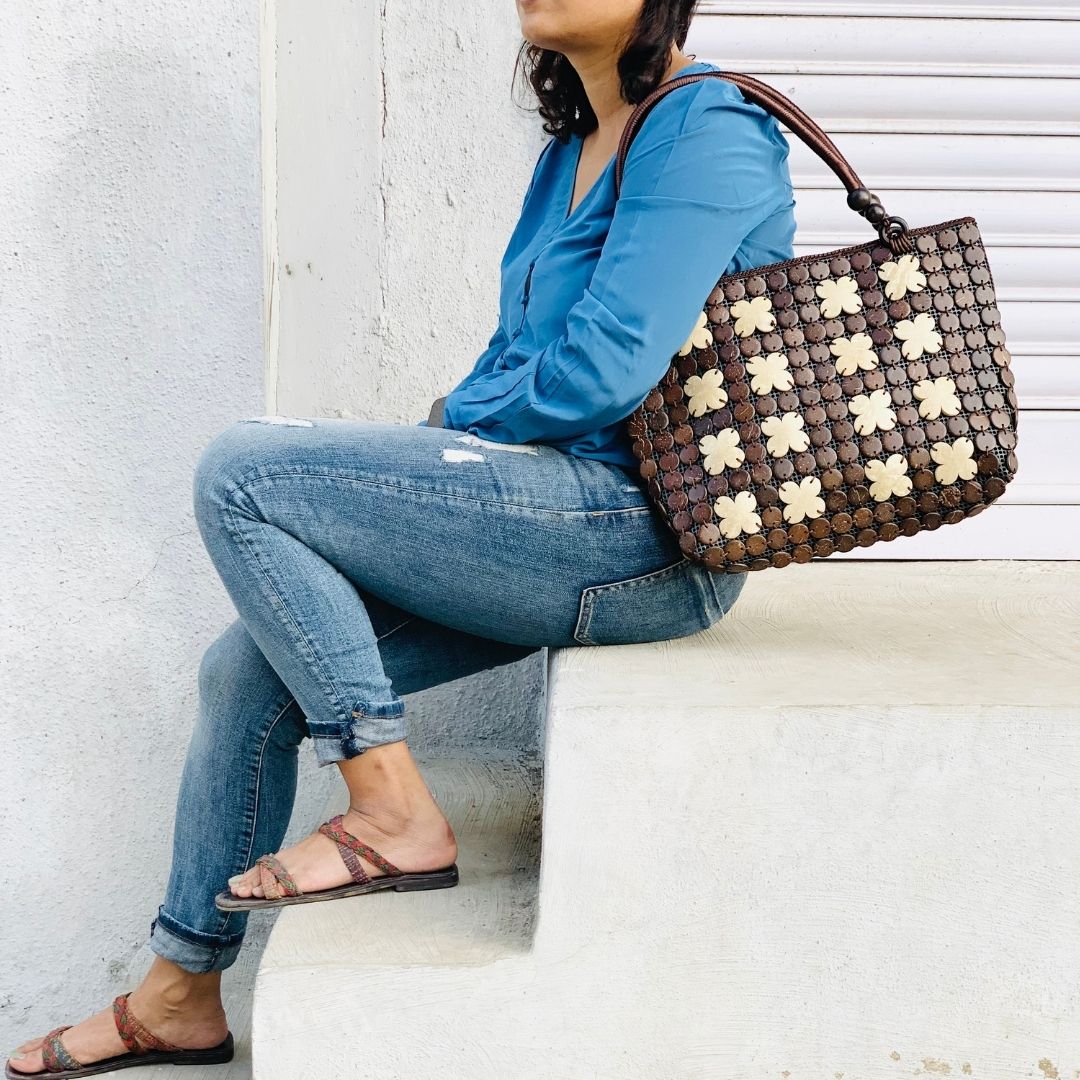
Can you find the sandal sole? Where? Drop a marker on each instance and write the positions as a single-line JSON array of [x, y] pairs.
[[432, 879], [212, 1055]]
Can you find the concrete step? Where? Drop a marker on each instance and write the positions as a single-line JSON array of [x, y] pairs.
[[323, 961], [837, 833]]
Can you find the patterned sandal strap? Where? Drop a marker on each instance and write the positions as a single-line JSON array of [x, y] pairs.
[[276, 880], [55, 1055], [359, 874], [134, 1034], [333, 828]]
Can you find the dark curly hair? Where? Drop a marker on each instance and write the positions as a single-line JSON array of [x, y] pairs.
[[564, 104]]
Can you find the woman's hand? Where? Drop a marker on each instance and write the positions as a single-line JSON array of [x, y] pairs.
[[435, 416]]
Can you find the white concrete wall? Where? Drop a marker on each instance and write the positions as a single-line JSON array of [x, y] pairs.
[[130, 333], [401, 161]]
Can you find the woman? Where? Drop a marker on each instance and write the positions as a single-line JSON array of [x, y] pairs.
[[370, 560]]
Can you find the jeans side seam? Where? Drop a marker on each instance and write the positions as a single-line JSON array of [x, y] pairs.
[[255, 800], [256, 475], [584, 617]]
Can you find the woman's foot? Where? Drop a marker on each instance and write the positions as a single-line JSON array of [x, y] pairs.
[[391, 810], [176, 1005], [315, 863]]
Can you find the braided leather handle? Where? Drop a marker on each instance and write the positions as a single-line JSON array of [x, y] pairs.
[[892, 230]]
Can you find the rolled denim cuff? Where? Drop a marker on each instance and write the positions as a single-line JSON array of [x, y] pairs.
[[191, 949], [373, 724]]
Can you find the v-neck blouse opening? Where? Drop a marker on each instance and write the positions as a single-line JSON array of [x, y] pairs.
[[573, 181]]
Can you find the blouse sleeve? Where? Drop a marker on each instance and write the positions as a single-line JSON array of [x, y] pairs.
[[695, 184]]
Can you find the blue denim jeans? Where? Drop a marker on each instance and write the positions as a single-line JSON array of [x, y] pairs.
[[368, 560]]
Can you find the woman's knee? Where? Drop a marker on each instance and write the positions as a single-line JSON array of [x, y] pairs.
[[222, 467], [246, 450], [232, 668]]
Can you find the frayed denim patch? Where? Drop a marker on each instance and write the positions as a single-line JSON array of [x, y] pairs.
[[514, 448], [288, 421]]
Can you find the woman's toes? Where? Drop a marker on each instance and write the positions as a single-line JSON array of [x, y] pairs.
[[27, 1062], [247, 885], [241, 884], [27, 1057]]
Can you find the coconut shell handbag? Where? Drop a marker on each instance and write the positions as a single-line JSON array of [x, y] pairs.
[[832, 400]]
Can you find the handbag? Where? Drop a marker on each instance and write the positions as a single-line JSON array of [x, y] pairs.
[[834, 399]]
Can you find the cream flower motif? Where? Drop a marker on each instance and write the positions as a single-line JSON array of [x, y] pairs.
[[721, 451], [705, 392], [902, 277], [751, 315], [872, 413], [954, 460], [699, 337], [737, 515], [853, 353], [839, 295], [803, 499], [919, 336], [785, 433], [888, 478], [769, 373], [936, 396]]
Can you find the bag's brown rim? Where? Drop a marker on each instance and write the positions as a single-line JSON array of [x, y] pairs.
[[819, 256]]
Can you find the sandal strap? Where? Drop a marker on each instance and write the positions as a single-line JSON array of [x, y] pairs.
[[335, 831], [271, 886], [55, 1055], [359, 874], [134, 1034], [280, 883]]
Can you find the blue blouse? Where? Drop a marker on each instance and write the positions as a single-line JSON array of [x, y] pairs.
[[594, 304]]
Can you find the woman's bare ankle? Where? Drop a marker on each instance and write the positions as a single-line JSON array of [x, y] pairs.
[[387, 789], [174, 989]]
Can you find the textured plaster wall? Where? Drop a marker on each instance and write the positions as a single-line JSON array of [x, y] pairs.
[[130, 333], [403, 152]]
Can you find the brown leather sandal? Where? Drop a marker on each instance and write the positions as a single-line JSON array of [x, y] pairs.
[[144, 1048], [279, 889]]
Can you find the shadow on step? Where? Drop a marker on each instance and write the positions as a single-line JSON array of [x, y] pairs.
[[494, 806]]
